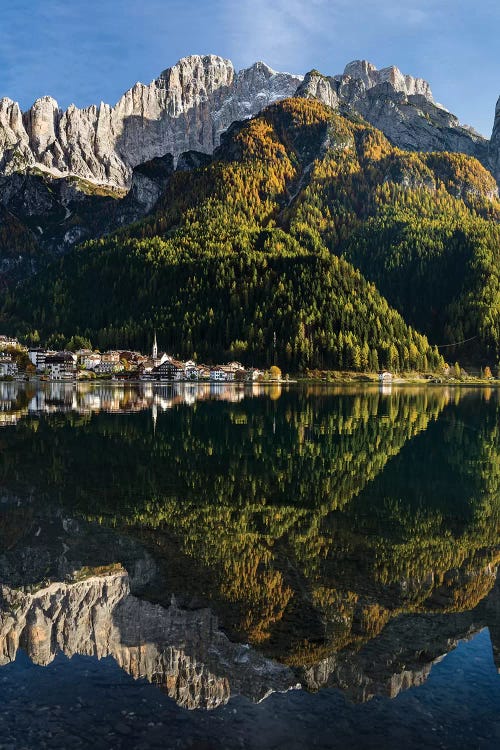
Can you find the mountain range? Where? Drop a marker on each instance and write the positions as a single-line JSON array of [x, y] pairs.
[[372, 173], [190, 105]]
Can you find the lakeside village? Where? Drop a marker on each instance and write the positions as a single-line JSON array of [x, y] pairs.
[[20, 362]]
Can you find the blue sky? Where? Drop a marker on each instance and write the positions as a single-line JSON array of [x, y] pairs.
[[85, 51]]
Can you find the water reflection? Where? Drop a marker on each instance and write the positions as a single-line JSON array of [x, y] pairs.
[[88, 609], [91, 611], [350, 536], [17, 400]]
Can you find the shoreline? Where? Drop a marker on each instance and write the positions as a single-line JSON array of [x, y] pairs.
[[398, 382], [355, 380]]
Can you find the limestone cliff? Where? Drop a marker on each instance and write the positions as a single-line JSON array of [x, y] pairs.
[[74, 175], [186, 108], [191, 104], [401, 106]]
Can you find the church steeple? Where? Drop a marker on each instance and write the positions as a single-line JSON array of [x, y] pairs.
[[155, 348]]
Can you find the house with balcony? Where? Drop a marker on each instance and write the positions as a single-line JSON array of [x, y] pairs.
[[234, 367], [108, 368], [38, 356], [170, 369], [61, 365], [218, 374]]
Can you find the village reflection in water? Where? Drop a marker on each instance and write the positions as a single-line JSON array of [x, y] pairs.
[[18, 400]]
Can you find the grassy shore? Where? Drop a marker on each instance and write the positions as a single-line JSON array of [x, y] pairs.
[[347, 377]]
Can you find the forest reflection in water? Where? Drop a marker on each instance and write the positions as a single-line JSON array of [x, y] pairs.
[[318, 524]]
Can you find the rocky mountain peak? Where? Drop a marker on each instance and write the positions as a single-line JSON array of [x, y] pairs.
[[370, 76], [189, 105], [399, 105], [360, 69], [186, 108], [196, 75], [40, 123]]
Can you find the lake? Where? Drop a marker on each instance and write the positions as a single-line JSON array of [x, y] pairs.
[[212, 566]]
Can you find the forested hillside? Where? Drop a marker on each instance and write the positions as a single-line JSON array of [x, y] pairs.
[[264, 244]]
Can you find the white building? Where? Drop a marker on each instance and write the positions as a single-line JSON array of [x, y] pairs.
[[234, 367], [91, 361], [105, 367], [159, 358], [190, 370], [229, 372], [81, 354], [7, 367], [38, 356], [61, 366], [218, 374]]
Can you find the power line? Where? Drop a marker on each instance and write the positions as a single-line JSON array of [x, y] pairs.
[[464, 341]]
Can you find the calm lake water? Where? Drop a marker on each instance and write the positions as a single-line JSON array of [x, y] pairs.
[[220, 567]]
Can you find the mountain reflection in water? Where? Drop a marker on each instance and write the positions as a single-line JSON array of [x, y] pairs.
[[240, 542]]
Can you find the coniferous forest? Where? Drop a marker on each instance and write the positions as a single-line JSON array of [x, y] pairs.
[[308, 239]]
